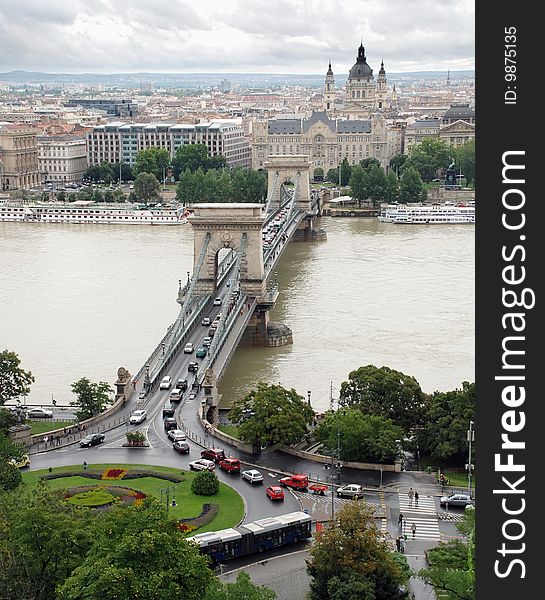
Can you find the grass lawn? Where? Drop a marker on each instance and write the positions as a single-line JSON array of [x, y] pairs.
[[231, 430], [42, 427], [187, 504], [460, 479]]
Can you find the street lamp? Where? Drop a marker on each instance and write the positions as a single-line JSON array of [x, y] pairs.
[[469, 466], [163, 348], [187, 276], [308, 396]]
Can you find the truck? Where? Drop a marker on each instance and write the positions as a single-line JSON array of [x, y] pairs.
[[297, 482]]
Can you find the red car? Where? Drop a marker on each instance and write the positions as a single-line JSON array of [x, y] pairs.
[[275, 492], [297, 482], [231, 465], [215, 454]]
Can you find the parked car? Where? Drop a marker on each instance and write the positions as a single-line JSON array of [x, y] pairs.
[[352, 490], [170, 423], [138, 416], [215, 454], [166, 382], [206, 321], [456, 500], [176, 395], [201, 353], [39, 413], [181, 447], [168, 410], [176, 435], [275, 492], [202, 464], [91, 440], [231, 465], [217, 301], [181, 384], [20, 463], [297, 482], [252, 475], [188, 348], [193, 367]]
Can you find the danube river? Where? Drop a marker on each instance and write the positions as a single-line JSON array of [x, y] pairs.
[[82, 300]]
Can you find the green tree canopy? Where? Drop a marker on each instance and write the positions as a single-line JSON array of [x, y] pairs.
[[391, 189], [346, 171], [465, 157], [92, 398], [271, 415], [190, 157], [14, 381], [443, 431], [368, 163], [358, 184], [242, 589], [318, 173], [385, 392], [146, 187], [428, 157], [363, 437], [102, 172], [333, 175], [376, 183], [365, 559], [397, 164], [410, 186], [153, 160]]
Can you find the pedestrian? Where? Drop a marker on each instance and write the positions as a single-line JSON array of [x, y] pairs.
[[84, 465], [398, 544], [413, 529], [402, 544], [58, 438], [46, 439], [83, 428], [416, 498], [64, 431], [411, 496], [400, 520]]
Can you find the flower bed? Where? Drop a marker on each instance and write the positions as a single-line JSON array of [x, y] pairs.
[[102, 496], [113, 473], [128, 474], [209, 511]]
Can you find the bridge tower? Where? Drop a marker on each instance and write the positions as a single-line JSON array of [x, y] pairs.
[[293, 168], [225, 224]]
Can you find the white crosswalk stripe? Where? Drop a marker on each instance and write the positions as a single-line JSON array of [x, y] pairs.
[[426, 529], [426, 505], [424, 516]]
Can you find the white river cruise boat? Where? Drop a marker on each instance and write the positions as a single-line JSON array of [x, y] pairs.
[[436, 214], [74, 212]]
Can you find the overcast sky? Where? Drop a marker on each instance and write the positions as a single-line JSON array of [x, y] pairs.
[[237, 36]]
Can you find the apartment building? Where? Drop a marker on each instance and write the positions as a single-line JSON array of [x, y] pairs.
[[62, 158]]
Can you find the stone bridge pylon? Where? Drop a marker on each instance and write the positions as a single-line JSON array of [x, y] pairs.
[[293, 169]]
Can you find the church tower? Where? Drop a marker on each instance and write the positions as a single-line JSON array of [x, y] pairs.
[[329, 90], [382, 89], [360, 88]]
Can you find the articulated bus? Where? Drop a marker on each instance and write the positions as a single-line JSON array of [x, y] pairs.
[[264, 534]]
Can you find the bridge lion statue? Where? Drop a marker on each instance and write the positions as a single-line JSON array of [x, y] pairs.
[[123, 376]]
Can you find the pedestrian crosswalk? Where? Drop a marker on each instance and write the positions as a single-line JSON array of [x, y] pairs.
[[423, 516]]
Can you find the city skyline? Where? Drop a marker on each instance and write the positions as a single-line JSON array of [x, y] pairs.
[[234, 36]]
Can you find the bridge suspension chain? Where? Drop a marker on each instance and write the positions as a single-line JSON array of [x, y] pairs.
[[272, 194]]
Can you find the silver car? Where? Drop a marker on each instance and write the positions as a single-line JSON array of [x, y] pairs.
[[352, 490], [462, 500], [252, 475]]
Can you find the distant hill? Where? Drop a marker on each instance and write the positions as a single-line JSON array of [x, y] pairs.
[[201, 80]]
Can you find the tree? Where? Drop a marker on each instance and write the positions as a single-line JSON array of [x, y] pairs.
[[10, 476], [358, 184], [443, 432], [346, 171], [363, 438], [465, 156], [385, 392], [428, 157], [138, 553], [14, 381], [391, 188], [410, 187], [153, 160], [191, 157], [368, 163], [92, 398], [333, 175], [271, 415], [397, 164], [146, 187], [248, 185], [375, 180], [242, 589], [364, 561], [318, 174], [126, 172]]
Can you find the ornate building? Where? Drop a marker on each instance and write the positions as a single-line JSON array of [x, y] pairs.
[[18, 157]]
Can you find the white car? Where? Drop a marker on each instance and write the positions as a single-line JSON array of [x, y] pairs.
[[202, 464], [253, 476], [177, 435], [352, 490], [166, 382], [138, 416], [217, 301], [189, 347], [40, 413]]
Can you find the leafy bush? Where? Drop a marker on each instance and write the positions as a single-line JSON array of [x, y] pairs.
[[136, 438], [91, 498], [132, 474], [205, 484]]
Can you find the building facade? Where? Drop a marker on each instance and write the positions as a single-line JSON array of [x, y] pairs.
[[121, 142], [18, 157], [62, 158], [124, 108]]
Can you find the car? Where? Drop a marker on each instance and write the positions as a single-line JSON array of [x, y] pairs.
[[176, 395], [181, 384], [202, 464], [191, 396], [297, 482], [215, 454], [193, 367], [207, 341], [168, 410], [212, 331], [142, 395], [181, 447], [231, 465], [189, 347], [20, 463], [206, 321], [252, 475], [91, 440], [177, 435], [217, 301], [201, 352], [275, 492], [138, 416], [166, 382], [216, 322], [170, 423], [39, 413], [228, 284], [462, 500], [352, 490]]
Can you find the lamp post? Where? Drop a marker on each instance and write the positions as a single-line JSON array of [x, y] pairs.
[[308, 396], [187, 276], [147, 383], [469, 466], [165, 496]]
